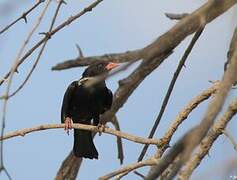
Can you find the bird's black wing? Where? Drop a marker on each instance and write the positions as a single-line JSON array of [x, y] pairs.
[[108, 99], [65, 110]]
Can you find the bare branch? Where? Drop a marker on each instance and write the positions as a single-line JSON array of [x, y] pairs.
[[148, 162], [207, 142], [192, 138], [23, 16], [54, 31], [127, 136], [165, 43], [13, 70], [115, 122], [170, 89], [69, 168], [48, 36], [179, 119], [85, 61], [230, 138]]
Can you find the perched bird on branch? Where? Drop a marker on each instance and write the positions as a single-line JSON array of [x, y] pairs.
[[83, 103]]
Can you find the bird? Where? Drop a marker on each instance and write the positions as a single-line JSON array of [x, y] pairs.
[[82, 104]]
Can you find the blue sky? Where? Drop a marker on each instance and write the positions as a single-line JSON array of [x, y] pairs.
[[113, 26]]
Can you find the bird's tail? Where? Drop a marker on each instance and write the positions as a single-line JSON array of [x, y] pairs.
[[83, 144]]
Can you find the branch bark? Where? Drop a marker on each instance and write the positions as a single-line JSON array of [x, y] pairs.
[[165, 43], [127, 136], [191, 139], [207, 142]]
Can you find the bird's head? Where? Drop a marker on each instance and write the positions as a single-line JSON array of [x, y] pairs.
[[91, 74], [99, 69]]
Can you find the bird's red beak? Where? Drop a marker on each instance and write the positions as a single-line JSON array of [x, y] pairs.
[[111, 66]]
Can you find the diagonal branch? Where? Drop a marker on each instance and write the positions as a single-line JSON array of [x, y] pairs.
[[115, 122], [168, 135], [192, 138], [231, 139], [11, 74], [53, 32], [23, 16], [165, 43], [40, 52], [170, 89], [207, 142], [148, 162]]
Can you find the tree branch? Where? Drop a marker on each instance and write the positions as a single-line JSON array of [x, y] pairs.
[[127, 136], [115, 122], [191, 139], [170, 89], [23, 16], [148, 162], [54, 31], [207, 142], [165, 43], [232, 140], [164, 141]]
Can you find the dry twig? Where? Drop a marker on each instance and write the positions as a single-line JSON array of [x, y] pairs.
[[120, 134], [170, 89], [191, 139], [54, 31], [11, 73], [23, 16], [207, 142]]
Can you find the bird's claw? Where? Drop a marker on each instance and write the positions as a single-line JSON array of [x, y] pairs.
[[68, 125], [101, 128]]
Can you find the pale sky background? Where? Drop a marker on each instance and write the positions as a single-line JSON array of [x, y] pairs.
[[113, 26]]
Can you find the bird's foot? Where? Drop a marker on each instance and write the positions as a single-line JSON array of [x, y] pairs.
[[68, 125], [101, 128]]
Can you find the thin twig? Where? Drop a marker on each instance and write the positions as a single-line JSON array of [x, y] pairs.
[[178, 120], [204, 147], [139, 174], [192, 138], [165, 43], [115, 122], [14, 69], [148, 162], [41, 50], [170, 89], [55, 30], [232, 140], [23, 16], [85, 61]]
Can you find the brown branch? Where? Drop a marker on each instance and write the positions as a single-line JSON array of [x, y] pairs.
[[23, 16], [148, 162], [115, 122], [40, 52], [11, 74], [191, 139], [164, 141], [159, 50], [85, 61], [69, 168], [127, 136], [183, 114], [165, 43], [232, 140], [170, 89], [53, 32], [207, 142]]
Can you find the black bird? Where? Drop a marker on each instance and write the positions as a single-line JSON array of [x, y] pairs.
[[81, 104]]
